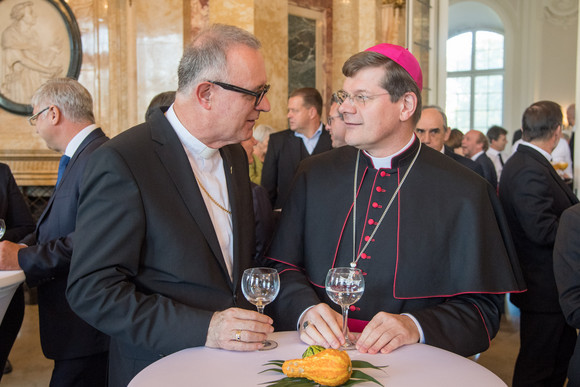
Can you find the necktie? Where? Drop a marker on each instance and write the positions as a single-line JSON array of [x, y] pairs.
[[500, 159], [61, 167]]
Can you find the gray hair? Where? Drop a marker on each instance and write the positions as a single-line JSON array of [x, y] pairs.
[[443, 115], [72, 99], [262, 131], [205, 59]]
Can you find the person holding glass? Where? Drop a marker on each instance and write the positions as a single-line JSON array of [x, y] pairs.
[[161, 270], [18, 223], [428, 234]]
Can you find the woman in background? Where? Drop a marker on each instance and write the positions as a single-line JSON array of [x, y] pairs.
[[454, 141]]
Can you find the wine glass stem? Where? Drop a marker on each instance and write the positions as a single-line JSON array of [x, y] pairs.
[[260, 309], [344, 319]]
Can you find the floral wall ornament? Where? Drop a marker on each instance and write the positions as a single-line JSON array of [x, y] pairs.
[[561, 12]]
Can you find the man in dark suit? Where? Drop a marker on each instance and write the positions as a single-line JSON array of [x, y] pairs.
[[65, 121], [474, 145], [533, 197], [567, 274], [19, 223], [160, 271], [433, 131], [286, 149]]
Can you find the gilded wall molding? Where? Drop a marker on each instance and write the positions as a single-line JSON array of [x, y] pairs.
[[32, 167]]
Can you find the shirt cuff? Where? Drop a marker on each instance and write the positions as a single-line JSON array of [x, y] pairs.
[[422, 336], [301, 315]]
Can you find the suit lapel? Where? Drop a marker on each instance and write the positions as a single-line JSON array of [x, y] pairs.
[[231, 172], [324, 142], [297, 149], [546, 164], [90, 138], [174, 159]]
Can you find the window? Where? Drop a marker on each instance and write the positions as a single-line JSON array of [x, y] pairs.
[[475, 71]]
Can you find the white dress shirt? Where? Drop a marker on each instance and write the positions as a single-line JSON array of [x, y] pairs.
[[494, 156], [76, 141], [310, 143], [208, 167], [542, 152]]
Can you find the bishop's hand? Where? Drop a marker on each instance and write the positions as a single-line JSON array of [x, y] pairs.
[[321, 325], [387, 332]]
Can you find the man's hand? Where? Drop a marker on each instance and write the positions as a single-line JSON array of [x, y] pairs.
[[323, 327], [9, 255], [387, 332], [238, 330]]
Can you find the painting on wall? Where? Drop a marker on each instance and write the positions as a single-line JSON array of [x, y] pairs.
[[304, 48], [39, 40]]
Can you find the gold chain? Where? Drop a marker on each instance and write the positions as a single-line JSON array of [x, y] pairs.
[[211, 197]]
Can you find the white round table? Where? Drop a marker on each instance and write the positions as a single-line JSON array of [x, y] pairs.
[[408, 366], [9, 281]]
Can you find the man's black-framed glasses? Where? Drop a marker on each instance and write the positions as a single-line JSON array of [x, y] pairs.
[[259, 95], [32, 119]]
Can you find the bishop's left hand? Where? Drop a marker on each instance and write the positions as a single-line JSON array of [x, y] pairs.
[[387, 332]]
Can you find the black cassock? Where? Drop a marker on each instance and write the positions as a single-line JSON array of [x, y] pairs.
[[443, 252]]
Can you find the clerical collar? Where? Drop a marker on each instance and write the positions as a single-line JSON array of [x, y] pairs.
[[386, 162], [547, 155], [193, 145]]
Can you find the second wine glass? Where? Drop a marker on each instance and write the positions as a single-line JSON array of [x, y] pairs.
[[345, 286], [2, 228], [260, 286]]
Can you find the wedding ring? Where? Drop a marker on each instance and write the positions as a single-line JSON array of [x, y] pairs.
[[305, 324], [238, 335]]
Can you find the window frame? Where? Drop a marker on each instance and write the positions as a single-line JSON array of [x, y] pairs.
[[474, 73]]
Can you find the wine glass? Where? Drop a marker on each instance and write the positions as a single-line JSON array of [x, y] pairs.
[[2, 228], [345, 286], [260, 286], [560, 165]]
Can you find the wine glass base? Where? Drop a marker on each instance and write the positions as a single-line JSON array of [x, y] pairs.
[[268, 345], [348, 346]]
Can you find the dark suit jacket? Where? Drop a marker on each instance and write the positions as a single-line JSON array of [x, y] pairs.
[[489, 172], [567, 274], [19, 223], [285, 151], [147, 268], [264, 218], [533, 197], [13, 208], [46, 262], [475, 167], [517, 135]]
